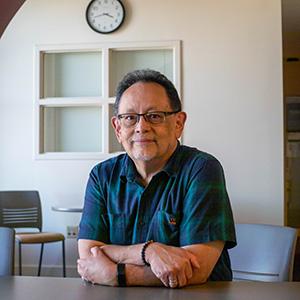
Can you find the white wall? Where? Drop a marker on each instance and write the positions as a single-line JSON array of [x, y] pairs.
[[232, 92]]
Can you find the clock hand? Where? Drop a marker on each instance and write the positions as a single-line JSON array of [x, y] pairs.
[[107, 14], [101, 15]]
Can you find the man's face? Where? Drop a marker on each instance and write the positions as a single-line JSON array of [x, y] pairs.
[[145, 141]]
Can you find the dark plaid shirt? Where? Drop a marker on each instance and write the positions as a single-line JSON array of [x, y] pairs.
[[185, 203]]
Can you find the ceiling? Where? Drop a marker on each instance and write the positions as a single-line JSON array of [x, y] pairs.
[[290, 14]]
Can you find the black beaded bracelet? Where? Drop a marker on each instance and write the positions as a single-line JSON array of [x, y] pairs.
[[144, 251]]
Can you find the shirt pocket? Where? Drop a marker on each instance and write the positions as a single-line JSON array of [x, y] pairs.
[[166, 229], [116, 228], [119, 233]]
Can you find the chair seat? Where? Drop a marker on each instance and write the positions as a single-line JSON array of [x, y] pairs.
[[39, 237]]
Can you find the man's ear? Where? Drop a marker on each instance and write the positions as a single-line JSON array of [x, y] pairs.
[[180, 121], [117, 127]]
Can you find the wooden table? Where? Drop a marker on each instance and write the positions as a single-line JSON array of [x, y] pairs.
[[53, 288]]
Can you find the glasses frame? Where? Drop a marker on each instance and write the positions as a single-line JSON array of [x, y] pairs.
[[144, 115]]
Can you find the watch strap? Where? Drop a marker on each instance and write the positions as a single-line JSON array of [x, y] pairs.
[[121, 274]]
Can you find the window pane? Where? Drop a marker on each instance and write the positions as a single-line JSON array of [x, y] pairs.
[[114, 145], [126, 61], [73, 129], [72, 74]]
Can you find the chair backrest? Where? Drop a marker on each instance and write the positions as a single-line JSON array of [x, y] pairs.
[[20, 209], [263, 252], [7, 251]]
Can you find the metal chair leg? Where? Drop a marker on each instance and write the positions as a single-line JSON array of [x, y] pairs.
[[64, 258], [20, 259], [41, 258]]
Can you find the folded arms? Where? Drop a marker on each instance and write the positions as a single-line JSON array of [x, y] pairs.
[[170, 266]]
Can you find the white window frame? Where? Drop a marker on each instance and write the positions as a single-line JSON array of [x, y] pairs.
[[104, 101]]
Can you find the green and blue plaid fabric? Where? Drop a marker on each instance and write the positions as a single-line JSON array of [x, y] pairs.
[[185, 203]]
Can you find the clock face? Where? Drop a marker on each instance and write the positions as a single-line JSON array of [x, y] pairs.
[[105, 16]]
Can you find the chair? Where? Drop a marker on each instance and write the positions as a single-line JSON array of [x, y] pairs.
[[263, 253], [7, 251], [22, 209]]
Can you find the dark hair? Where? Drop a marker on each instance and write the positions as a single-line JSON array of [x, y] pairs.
[[147, 75]]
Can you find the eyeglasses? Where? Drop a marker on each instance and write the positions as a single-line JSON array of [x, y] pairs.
[[153, 117]]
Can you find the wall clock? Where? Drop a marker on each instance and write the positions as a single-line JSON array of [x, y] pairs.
[[105, 16]]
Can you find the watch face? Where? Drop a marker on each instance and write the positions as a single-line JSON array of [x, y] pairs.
[[105, 16]]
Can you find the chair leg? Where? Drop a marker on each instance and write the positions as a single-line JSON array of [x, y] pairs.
[[64, 258], [41, 258], [20, 258]]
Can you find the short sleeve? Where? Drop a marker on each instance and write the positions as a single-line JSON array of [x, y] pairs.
[[207, 214], [94, 224]]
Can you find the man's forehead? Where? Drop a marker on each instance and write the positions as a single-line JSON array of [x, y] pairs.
[[142, 86], [149, 95]]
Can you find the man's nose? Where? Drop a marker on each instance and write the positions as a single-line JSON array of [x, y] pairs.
[[142, 124]]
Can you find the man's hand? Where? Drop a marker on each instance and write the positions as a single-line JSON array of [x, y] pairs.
[[97, 268], [172, 265]]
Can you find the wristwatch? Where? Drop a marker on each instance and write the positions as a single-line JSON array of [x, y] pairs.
[[121, 274]]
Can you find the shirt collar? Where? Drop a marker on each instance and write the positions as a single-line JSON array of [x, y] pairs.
[[130, 173], [172, 165]]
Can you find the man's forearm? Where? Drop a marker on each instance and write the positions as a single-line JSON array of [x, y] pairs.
[[124, 254], [140, 276], [207, 254], [85, 246]]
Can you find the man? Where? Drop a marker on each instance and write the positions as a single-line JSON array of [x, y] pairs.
[[159, 214]]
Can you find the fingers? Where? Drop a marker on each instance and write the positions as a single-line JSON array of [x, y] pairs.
[[81, 269], [194, 261], [80, 266], [173, 277], [173, 266], [188, 270], [164, 280], [173, 282], [95, 251]]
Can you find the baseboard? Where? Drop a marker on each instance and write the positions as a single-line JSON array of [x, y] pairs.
[[47, 271]]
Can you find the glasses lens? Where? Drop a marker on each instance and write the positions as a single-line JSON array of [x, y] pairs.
[[129, 119], [158, 117], [155, 117]]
